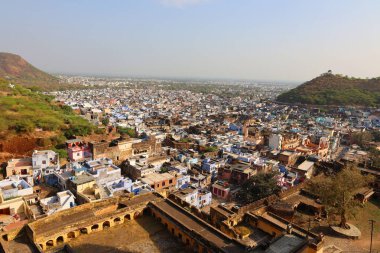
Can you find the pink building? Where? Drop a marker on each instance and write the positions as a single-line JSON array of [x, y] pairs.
[[221, 189], [78, 150]]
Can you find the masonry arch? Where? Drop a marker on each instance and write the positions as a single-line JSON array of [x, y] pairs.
[[50, 243], [117, 220], [60, 240], [94, 227], [83, 231], [127, 217], [71, 235], [106, 224]]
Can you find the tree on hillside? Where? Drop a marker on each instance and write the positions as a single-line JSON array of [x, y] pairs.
[[67, 109], [337, 192], [128, 131], [362, 138], [105, 121], [375, 156], [259, 186]]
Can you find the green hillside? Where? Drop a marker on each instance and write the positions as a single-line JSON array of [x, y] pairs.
[[23, 111], [330, 89], [17, 70]]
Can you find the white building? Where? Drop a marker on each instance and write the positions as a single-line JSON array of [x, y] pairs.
[[44, 162], [119, 185], [103, 170], [14, 187], [195, 197], [183, 181], [306, 169], [63, 200]]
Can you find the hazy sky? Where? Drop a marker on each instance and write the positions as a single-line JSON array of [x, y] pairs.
[[247, 39]]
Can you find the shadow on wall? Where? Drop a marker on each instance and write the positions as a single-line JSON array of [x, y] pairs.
[[161, 237]]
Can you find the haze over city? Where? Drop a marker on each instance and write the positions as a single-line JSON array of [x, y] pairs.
[[260, 40]]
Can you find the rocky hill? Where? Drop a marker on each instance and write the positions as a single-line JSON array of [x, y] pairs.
[[17, 70], [330, 89], [30, 120]]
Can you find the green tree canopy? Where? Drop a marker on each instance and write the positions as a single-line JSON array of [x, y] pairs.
[[259, 186], [126, 130], [337, 192], [362, 138], [105, 121]]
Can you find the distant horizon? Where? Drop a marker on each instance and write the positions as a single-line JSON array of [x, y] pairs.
[[179, 78], [201, 78], [273, 40], [174, 78]]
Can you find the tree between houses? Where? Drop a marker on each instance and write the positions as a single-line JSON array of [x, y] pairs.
[[337, 192]]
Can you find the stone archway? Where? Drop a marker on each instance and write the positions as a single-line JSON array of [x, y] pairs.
[[127, 217], [60, 240], [50, 243], [94, 227], [84, 231], [71, 235], [117, 220], [106, 224]]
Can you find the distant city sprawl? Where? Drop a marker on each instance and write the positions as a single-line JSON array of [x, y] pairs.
[[218, 164]]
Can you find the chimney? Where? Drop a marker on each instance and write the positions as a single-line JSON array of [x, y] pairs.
[[289, 229]]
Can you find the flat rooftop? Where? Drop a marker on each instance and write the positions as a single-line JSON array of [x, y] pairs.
[[156, 177], [73, 141], [286, 243], [297, 198], [82, 179], [240, 166], [193, 224], [305, 166], [21, 162]]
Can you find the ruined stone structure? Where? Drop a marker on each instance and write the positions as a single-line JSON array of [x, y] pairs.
[[121, 149], [50, 234], [170, 142], [290, 141], [320, 149], [252, 134], [55, 230]]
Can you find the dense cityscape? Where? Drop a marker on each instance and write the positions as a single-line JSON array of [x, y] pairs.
[[178, 126], [237, 166]]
